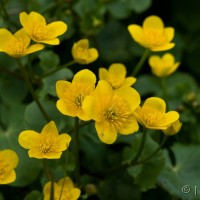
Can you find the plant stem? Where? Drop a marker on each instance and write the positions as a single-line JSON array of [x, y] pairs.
[[50, 177], [76, 149], [31, 90], [59, 68], [141, 62], [65, 173], [155, 152], [80, 126], [164, 88]]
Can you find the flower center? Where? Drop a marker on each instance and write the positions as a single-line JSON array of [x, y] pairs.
[[45, 147], [79, 100], [154, 37], [39, 32], [82, 52]]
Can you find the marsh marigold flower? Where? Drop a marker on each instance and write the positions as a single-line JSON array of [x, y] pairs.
[[39, 31], [17, 45], [47, 144], [112, 111], [153, 114], [82, 54], [152, 35], [73, 94], [116, 76], [173, 129], [8, 162], [163, 66], [69, 191]]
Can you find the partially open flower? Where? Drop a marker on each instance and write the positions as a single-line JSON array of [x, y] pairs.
[[153, 35], [116, 76], [17, 45], [82, 54], [173, 129], [38, 30]]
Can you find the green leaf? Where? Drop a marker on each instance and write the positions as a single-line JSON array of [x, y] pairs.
[[48, 60], [33, 195], [139, 6], [182, 178], [145, 174]]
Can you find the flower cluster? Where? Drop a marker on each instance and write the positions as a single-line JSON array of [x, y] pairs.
[[35, 28]]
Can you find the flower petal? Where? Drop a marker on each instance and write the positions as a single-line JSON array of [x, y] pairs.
[[92, 55], [5, 37], [28, 139], [61, 87], [130, 126], [103, 74], [173, 68], [67, 183], [10, 177], [22, 37], [85, 76], [55, 29], [106, 132], [129, 81], [103, 90], [62, 142], [153, 22], [130, 95], [163, 47], [35, 47], [75, 193], [50, 130], [156, 104], [54, 41], [169, 33], [137, 34], [170, 117]]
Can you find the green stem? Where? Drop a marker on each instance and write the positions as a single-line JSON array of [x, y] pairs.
[[50, 177], [76, 149], [59, 68], [80, 126], [164, 88], [140, 63], [65, 173], [155, 152], [30, 88]]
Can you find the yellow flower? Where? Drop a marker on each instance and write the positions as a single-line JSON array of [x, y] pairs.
[[73, 94], [38, 30], [8, 162], [173, 129], [69, 192], [17, 45], [47, 144], [152, 35], [112, 111], [82, 54], [116, 76], [152, 114], [163, 66]]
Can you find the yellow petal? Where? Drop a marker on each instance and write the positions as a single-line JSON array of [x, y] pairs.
[[28, 139], [106, 132], [103, 90], [47, 189], [117, 71], [10, 177], [89, 107], [75, 193], [168, 59], [173, 68], [84, 43], [156, 104], [93, 55], [50, 130], [56, 28], [35, 153], [173, 129], [22, 37], [62, 142], [61, 87], [9, 156], [35, 47], [67, 183], [163, 47], [153, 22], [155, 62], [130, 126], [54, 41], [37, 18], [103, 74], [85, 76], [169, 33], [66, 108], [137, 34], [129, 81], [5, 37], [52, 155], [130, 95], [170, 117]]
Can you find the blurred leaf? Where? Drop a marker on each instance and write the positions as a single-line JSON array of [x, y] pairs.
[[48, 60], [34, 195], [184, 174], [49, 83], [139, 6], [1, 196], [149, 170], [114, 51]]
